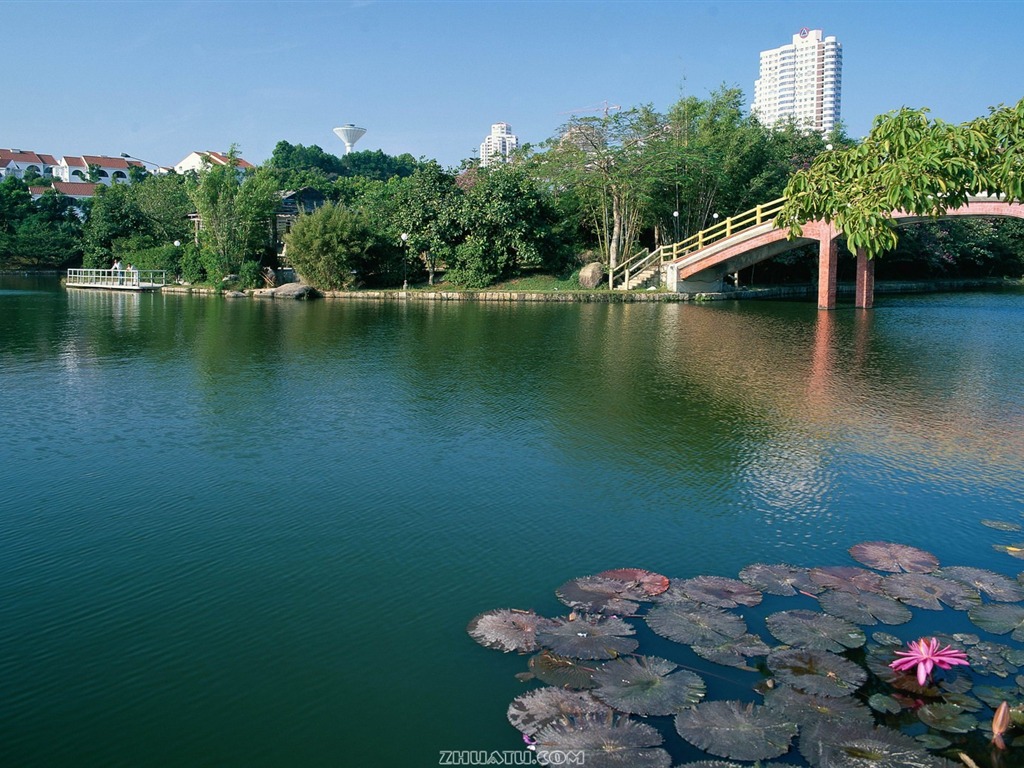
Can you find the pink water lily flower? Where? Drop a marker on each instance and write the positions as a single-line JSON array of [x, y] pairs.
[[925, 654]]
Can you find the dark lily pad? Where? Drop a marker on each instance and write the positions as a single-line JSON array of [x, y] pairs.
[[595, 594], [994, 696], [1014, 550], [589, 637], [882, 703], [932, 741], [887, 556], [606, 741], [847, 579], [717, 591], [993, 585], [865, 608], [860, 746], [923, 590], [999, 619], [885, 638], [562, 671], [816, 672], [735, 652], [783, 580], [994, 659], [647, 685], [507, 629], [695, 623], [1001, 525], [950, 718], [811, 629], [532, 711], [803, 708], [642, 584], [736, 730]]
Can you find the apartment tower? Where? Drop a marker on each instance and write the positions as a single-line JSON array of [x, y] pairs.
[[499, 145], [801, 82]]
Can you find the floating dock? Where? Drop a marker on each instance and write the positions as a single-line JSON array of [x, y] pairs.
[[117, 279]]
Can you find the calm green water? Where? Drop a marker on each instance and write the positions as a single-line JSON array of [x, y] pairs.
[[242, 533]]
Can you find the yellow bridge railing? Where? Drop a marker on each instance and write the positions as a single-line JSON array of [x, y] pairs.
[[755, 217]]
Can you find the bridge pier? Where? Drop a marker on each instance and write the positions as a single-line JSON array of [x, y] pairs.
[[828, 261], [865, 298]]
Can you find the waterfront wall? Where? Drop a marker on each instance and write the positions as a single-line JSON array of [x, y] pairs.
[[796, 292]]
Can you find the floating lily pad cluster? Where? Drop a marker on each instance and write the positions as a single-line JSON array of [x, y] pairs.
[[825, 689]]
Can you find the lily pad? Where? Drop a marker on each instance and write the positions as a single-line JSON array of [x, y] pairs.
[[865, 608], [589, 637], [811, 629], [695, 623], [999, 619], [847, 579], [647, 685], [950, 718], [736, 730], [994, 659], [932, 741], [804, 708], [816, 672], [562, 671], [882, 703], [1014, 550], [606, 741], [595, 594], [507, 629], [783, 580], [532, 711], [887, 556], [643, 584], [995, 586], [717, 591], [735, 652], [860, 746], [923, 590], [1001, 525]]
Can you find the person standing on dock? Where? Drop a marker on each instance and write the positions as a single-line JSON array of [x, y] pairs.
[[115, 270], [133, 275]]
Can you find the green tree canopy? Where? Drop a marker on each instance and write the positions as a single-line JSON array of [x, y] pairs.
[[908, 163]]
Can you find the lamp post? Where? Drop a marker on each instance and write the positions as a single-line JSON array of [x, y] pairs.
[[675, 218], [126, 156], [405, 261]]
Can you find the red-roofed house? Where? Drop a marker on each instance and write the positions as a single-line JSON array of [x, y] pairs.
[[196, 161], [16, 162], [109, 170]]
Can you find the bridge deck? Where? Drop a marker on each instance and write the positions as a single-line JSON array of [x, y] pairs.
[[117, 279]]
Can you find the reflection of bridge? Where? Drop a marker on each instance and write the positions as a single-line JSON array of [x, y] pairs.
[[700, 263]]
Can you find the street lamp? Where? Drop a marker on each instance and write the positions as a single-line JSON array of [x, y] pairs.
[[126, 156], [405, 261], [675, 217]]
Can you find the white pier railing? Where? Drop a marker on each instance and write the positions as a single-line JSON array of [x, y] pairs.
[[117, 279]]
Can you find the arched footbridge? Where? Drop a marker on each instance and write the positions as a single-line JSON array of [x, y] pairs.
[[700, 263]]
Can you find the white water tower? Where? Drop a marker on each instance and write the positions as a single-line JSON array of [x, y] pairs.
[[350, 134]]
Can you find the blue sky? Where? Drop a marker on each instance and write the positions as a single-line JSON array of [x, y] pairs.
[[161, 79]]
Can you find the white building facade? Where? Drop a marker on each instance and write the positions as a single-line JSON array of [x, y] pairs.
[[801, 82], [499, 145]]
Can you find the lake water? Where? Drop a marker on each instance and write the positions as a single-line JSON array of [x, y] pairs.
[[251, 533]]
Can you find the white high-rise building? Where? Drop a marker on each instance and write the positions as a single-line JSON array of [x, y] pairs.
[[499, 145], [801, 81]]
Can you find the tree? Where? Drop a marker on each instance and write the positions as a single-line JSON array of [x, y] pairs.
[[612, 164], [510, 227], [235, 210], [334, 245], [426, 207], [910, 163]]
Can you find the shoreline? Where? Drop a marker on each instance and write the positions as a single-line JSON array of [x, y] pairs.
[[796, 292]]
